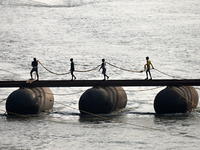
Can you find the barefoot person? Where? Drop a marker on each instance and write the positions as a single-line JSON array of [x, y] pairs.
[[103, 67], [72, 69], [34, 64], [148, 65]]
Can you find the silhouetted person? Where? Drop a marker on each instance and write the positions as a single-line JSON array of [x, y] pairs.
[[72, 69], [103, 67], [148, 65], [34, 64]]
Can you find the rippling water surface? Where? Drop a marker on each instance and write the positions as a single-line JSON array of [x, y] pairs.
[[122, 32]]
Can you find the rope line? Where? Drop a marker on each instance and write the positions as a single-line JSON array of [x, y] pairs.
[[87, 70], [142, 70], [3, 100], [197, 88], [110, 65], [52, 71], [146, 89], [109, 118], [168, 74], [25, 116], [66, 94], [63, 94], [183, 95], [164, 73], [67, 72], [124, 69]]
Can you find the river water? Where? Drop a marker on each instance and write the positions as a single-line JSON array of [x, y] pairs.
[[123, 32]]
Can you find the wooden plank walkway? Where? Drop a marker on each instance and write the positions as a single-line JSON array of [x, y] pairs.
[[88, 83]]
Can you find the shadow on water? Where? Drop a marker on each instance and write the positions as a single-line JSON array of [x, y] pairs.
[[175, 118], [27, 117], [64, 113], [142, 113], [116, 116], [92, 118], [97, 119]]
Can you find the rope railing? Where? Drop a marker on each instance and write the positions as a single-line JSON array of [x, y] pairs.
[[124, 68], [142, 70], [52, 71], [168, 74], [110, 65], [87, 70], [69, 71]]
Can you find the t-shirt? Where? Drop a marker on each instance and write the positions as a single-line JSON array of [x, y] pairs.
[[148, 63], [72, 66], [34, 63]]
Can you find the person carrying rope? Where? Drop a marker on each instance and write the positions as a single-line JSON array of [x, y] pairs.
[[72, 69], [34, 64], [148, 66], [103, 67]]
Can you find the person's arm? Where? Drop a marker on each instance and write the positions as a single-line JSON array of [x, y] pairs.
[[152, 66], [100, 67], [71, 67]]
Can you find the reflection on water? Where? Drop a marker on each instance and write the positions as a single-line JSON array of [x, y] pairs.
[[48, 3]]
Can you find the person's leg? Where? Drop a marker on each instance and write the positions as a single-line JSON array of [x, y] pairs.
[[104, 76], [147, 74], [37, 74], [150, 74], [74, 76], [107, 76], [31, 74]]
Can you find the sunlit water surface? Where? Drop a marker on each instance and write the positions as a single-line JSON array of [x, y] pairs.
[[122, 32]]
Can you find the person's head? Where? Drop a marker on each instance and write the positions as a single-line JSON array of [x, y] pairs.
[[34, 59], [147, 58], [71, 59], [103, 60]]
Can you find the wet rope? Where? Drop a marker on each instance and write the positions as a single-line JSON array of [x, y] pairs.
[[197, 88], [66, 93], [25, 116], [3, 100], [88, 112], [61, 94], [145, 89], [99, 116], [183, 95]]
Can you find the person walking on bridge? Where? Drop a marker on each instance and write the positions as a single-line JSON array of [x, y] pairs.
[[148, 66], [103, 67], [34, 64], [72, 69]]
